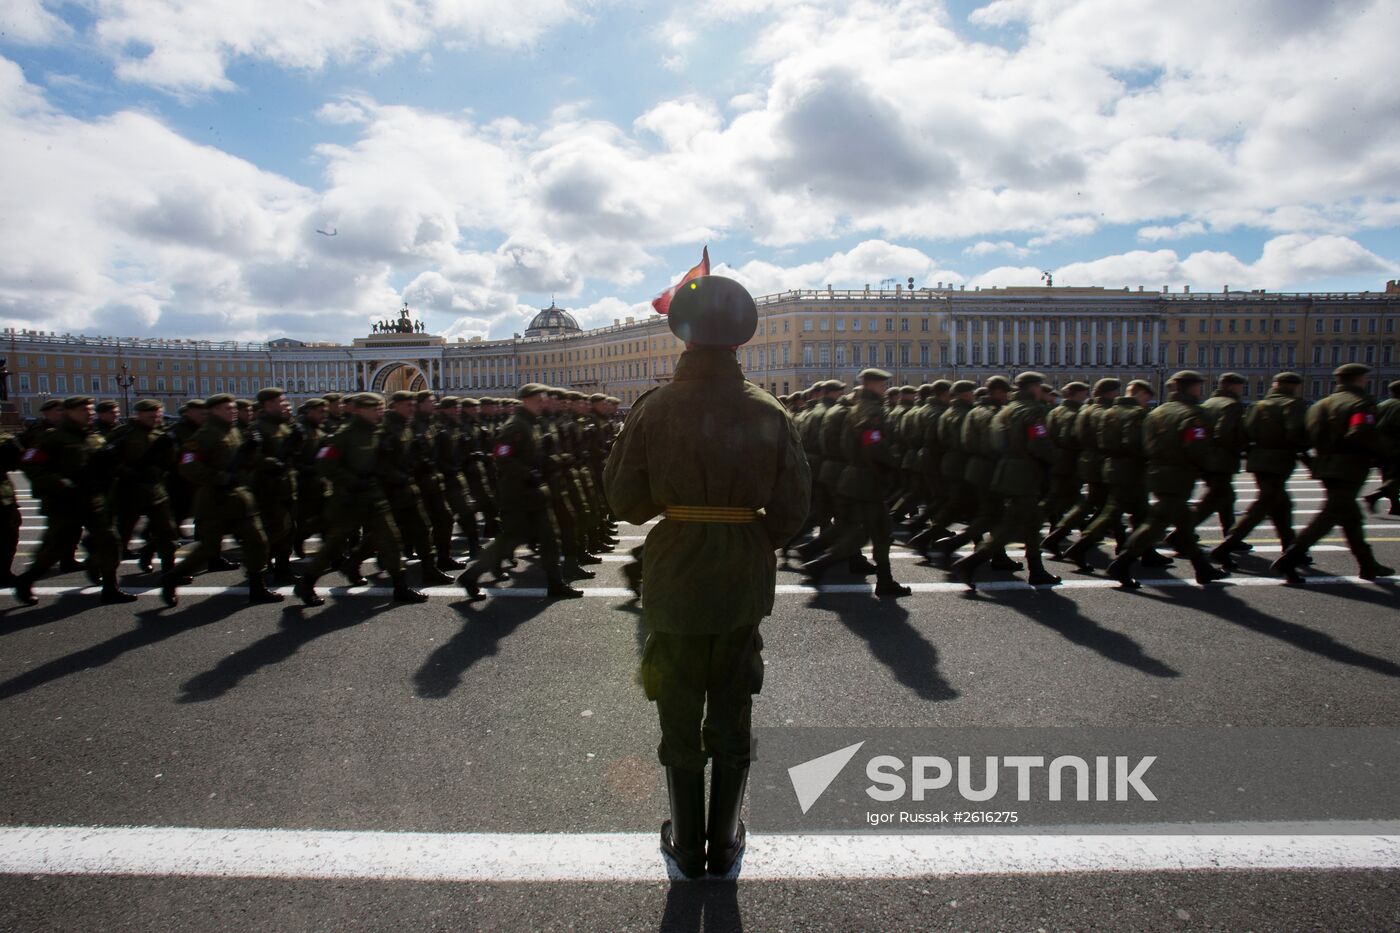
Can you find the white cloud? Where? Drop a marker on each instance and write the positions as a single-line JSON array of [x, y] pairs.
[[26, 21], [1179, 231], [988, 248], [868, 263]]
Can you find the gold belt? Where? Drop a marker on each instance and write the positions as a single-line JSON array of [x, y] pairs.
[[722, 514]]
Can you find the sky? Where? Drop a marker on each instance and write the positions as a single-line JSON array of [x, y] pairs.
[[174, 167]]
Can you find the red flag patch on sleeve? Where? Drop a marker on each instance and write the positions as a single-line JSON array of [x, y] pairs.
[[1360, 418], [870, 436], [502, 450], [190, 457], [34, 455], [1196, 433], [1036, 430], [329, 452]]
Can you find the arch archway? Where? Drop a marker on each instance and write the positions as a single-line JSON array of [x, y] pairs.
[[398, 375]]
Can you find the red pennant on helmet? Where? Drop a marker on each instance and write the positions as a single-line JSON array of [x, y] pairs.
[[662, 302]]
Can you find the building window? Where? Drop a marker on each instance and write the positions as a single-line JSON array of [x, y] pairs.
[[1316, 389], [942, 354], [923, 325], [889, 324], [1317, 356], [1054, 354], [1098, 354], [807, 325], [976, 354], [1370, 354], [1230, 355], [24, 383], [1351, 354], [806, 354], [1201, 358], [1293, 325], [904, 354], [840, 354], [924, 355], [1371, 326], [1232, 325], [1318, 326], [1336, 355], [889, 354], [1356, 325], [840, 325], [96, 384], [855, 354], [904, 324], [60, 384], [1181, 354], [160, 383], [787, 354], [1336, 325], [1132, 354], [1248, 326]]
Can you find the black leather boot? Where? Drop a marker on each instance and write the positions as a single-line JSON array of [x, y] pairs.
[[305, 590], [168, 583], [350, 570], [724, 830], [886, 585], [24, 589], [965, 568], [219, 564], [403, 593], [282, 572], [1205, 573], [431, 576], [258, 591], [1121, 569], [1078, 554], [683, 835], [112, 593], [1287, 566], [859, 566], [561, 590], [632, 573], [468, 582]]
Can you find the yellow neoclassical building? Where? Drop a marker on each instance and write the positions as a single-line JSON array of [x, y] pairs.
[[918, 334]]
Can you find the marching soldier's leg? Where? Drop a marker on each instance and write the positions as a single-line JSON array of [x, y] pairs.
[[1281, 511], [735, 675], [10, 520], [252, 537], [63, 528], [880, 530], [106, 555], [1272, 500], [1104, 524], [1348, 515], [413, 526], [441, 522], [674, 675], [547, 533], [510, 535]]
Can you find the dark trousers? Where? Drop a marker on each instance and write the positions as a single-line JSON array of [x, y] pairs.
[[227, 511], [703, 687], [66, 526], [1341, 509], [1218, 500], [161, 534], [866, 520], [381, 538], [517, 527], [1169, 511], [1061, 497], [1273, 503], [10, 521], [1086, 508], [1122, 499]]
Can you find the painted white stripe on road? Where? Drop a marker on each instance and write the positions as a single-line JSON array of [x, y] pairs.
[[636, 857]]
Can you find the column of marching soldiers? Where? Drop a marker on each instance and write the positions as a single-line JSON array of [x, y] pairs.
[[1007, 462]]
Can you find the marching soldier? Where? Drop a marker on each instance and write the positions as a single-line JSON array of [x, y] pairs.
[[1276, 427], [981, 460], [350, 464], [523, 498], [311, 484], [1178, 449], [475, 441], [336, 416], [274, 479], [449, 456], [70, 473], [144, 453], [399, 451], [1224, 416], [244, 409], [819, 512], [217, 461], [1388, 430], [50, 417], [428, 477], [732, 487], [1342, 428], [108, 415], [958, 503], [10, 516], [1086, 438], [930, 465], [1023, 449], [1065, 482]]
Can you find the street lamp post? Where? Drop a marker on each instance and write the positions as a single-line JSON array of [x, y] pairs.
[[125, 381]]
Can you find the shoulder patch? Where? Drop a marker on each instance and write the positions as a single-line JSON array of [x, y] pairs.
[[871, 436], [34, 455], [1193, 433], [502, 450], [1037, 430], [190, 456], [1360, 418], [329, 452]]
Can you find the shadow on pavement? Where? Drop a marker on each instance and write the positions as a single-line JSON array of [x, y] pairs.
[[1057, 612], [293, 631], [884, 625], [1222, 603], [693, 906], [153, 625], [484, 626]]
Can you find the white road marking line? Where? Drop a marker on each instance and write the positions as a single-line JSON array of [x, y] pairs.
[[782, 589], [555, 857]]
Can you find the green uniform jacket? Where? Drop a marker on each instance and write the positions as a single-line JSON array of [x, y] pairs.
[[10, 455], [950, 425], [217, 460], [273, 479], [811, 432], [1060, 421], [519, 459], [1278, 432], [708, 438], [1086, 432], [143, 456], [871, 463], [349, 462], [832, 428], [1388, 427], [1021, 439], [977, 444], [310, 483], [911, 436], [1224, 417], [66, 466], [398, 453], [1342, 428], [1120, 439], [1178, 446], [930, 445]]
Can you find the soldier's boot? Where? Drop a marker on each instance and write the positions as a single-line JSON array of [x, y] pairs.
[[814, 570], [586, 559], [724, 830], [491, 527], [468, 582], [299, 546], [24, 589], [1205, 573], [428, 575], [683, 835], [1000, 561], [305, 590], [1242, 547], [1121, 569], [1077, 554], [282, 571], [966, 568], [168, 588], [859, 566], [886, 585], [473, 537], [1120, 535], [145, 558], [403, 593], [1177, 541], [91, 572], [1305, 559], [950, 544], [445, 561], [1373, 569], [1368, 568], [558, 589], [259, 593], [1287, 566], [69, 565], [1038, 576], [1221, 553], [112, 592], [350, 570], [632, 573], [923, 540], [1155, 558], [1050, 544], [219, 562], [572, 571]]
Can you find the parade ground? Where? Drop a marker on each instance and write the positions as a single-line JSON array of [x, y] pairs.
[[491, 765]]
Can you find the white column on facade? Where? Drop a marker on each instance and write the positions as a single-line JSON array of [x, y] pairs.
[[1141, 345], [1016, 341], [1078, 340], [1123, 336], [967, 340], [1156, 352]]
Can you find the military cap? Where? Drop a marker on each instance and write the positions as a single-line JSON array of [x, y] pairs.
[[817, 386], [1232, 379], [1029, 378], [1289, 379], [1351, 370], [963, 385], [907, 389], [403, 395], [614, 400], [892, 391], [470, 403], [1187, 377], [834, 385], [366, 400], [197, 404], [312, 403], [531, 388], [998, 382], [449, 401], [333, 396], [1075, 386], [713, 311], [148, 404], [423, 396], [979, 393], [1108, 384], [925, 391], [106, 405], [597, 397], [51, 404], [873, 375], [223, 398], [939, 386], [1141, 384], [1394, 388], [243, 403], [76, 401], [271, 393]]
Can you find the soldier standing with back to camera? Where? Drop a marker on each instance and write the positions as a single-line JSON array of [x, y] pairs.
[[1342, 428], [711, 568]]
